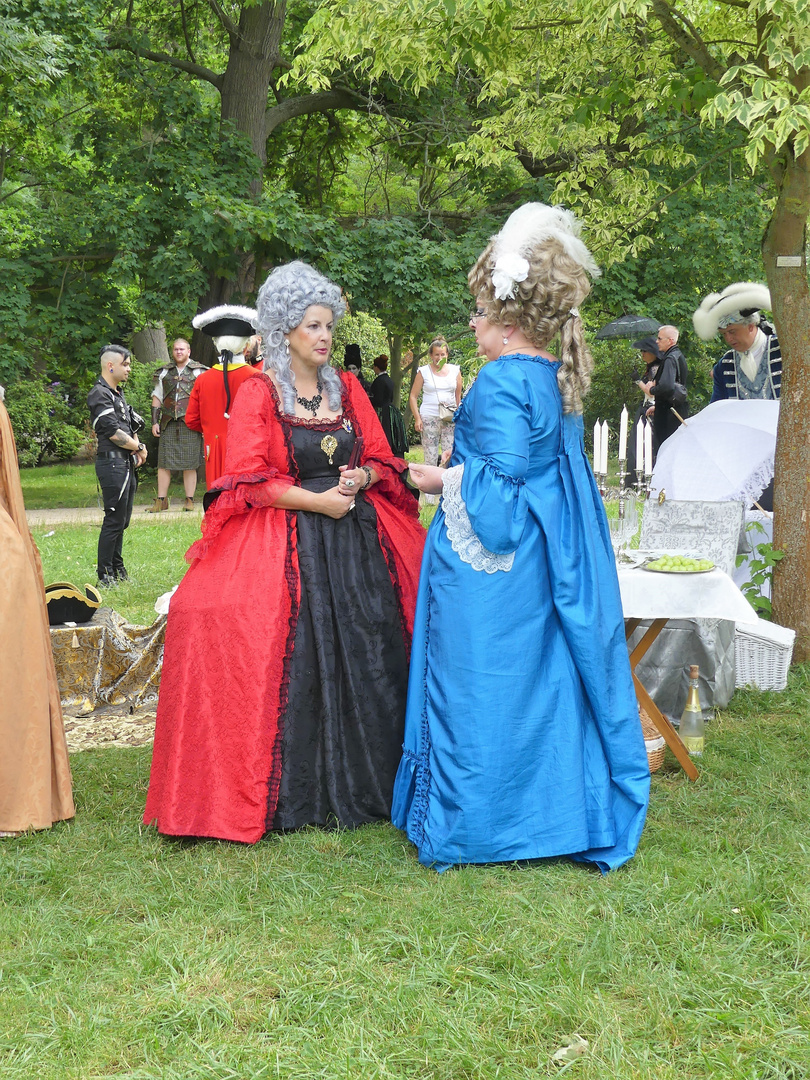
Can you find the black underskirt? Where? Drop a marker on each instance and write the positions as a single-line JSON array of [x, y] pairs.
[[342, 730]]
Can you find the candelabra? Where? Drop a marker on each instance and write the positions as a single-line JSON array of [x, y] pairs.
[[623, 474]]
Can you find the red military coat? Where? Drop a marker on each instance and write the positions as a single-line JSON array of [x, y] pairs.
[[206, 413]]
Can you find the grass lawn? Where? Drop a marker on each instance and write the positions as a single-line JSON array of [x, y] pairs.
[[336, 955], [53, 486], [154, 554]]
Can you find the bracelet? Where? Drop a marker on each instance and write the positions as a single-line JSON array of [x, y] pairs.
[[367, 471]]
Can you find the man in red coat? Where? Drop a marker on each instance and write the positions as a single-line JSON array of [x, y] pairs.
[[214, 391]]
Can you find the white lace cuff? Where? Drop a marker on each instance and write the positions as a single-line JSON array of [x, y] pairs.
[[460, 531]]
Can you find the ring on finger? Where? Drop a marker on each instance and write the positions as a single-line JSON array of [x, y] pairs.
[[349, 483]]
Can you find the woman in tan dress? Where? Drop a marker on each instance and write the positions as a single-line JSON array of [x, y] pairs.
[[35, 785]]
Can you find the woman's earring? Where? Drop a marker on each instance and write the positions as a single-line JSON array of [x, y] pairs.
[[506, 341], [287, 347]]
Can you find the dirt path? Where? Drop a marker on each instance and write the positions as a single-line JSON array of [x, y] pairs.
[[91, 515]]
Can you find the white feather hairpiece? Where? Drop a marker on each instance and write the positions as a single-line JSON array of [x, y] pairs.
[[527, 227], [741, 296]]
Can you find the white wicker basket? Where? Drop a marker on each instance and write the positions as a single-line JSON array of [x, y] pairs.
[[762, 654]]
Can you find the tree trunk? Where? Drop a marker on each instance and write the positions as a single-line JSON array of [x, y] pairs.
[[252, 56], [785, 238], [149, 345]]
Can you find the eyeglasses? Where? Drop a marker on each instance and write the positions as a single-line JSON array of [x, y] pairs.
[[479, 313]]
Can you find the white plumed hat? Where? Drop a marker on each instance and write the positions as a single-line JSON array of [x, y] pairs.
[[524, 230], [737, 303]]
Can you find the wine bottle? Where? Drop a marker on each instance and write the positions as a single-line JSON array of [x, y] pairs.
[[692, 730]]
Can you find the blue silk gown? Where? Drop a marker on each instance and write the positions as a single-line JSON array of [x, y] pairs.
[[522, 736]]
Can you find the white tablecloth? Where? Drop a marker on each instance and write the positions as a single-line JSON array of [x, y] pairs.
[[647, 595]]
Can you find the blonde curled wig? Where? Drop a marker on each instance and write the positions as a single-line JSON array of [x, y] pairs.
[[541, 308]]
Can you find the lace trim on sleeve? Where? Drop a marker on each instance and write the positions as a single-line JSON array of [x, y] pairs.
[[460, 531]]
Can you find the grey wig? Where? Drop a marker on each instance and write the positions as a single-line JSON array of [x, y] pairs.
[[281, 305]]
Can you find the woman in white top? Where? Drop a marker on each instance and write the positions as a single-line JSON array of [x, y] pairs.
[[439, 383]]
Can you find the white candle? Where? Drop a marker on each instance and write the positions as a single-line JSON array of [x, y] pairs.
[[623, 436], [648, 462], [604, 447], [597, 446], [640, 446]]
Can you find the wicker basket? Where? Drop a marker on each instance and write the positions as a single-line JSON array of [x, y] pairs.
[[762, 654], [653, 741]]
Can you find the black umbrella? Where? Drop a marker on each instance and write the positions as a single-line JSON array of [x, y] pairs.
[[629, 326]]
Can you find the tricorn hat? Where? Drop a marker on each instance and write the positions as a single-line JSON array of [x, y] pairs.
[[226, 320], [738, 303], [66, 603]]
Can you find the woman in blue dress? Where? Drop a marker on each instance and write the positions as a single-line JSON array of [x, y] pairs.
[[522, 733]]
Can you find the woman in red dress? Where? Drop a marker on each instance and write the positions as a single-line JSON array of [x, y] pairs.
[[285, 670]]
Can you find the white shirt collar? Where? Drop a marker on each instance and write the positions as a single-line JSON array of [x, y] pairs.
[[749, 361]]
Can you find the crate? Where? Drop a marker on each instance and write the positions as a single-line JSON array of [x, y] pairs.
[[762, 653]]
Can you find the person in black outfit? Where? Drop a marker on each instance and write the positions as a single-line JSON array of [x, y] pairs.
[[648, 347], [353, 363], [667, 386], [381, 393], [120, 453]]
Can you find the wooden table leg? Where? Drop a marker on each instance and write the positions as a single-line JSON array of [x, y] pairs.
[[652, 632], [671, 736]]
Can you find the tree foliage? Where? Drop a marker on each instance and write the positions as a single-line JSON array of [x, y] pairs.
[[44, 422]]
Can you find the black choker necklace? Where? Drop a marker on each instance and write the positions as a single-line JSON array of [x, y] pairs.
[[314, 403]]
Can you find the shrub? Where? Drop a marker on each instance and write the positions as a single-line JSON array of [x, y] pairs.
[[42, 419]]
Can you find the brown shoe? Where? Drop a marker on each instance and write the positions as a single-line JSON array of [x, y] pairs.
[[158, 505], [189, 503]]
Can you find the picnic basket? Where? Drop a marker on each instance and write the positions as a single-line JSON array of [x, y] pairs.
[[653, 742], [762, 654]]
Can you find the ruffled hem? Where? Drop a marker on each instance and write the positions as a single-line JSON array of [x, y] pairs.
[[229, 483], [459, 528], [754, 484]]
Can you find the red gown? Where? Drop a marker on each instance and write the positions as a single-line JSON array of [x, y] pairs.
[[206, 413], [217, 761]]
